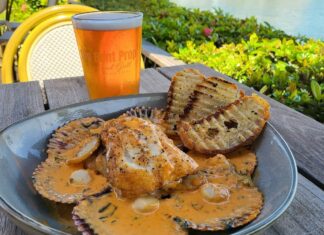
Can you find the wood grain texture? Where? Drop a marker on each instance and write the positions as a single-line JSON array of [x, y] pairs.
[[304, 135], [17, 101], [7, 227], [153, 82], [305, 214], [61, 92], [159, 56]]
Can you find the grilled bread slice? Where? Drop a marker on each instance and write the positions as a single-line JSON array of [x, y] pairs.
[[182, 85], [235, 125], [210, 95]]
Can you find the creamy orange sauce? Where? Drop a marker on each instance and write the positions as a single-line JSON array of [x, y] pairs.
[[54, 182], [239, 204], [191, 206], [63, 184], [243, 159], [110, 215]]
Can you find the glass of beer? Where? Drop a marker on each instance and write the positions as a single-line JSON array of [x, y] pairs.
[[110, 49]]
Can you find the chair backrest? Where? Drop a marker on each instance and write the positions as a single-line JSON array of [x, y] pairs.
[[47, 45]]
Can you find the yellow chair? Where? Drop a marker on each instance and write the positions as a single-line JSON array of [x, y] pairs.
[[46, 46]]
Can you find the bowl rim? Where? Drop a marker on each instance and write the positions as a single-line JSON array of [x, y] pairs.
[[29, 222]]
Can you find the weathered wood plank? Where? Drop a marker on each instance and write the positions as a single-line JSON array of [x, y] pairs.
[[304, 135], [7, 227], [305, 214], [159, 56], [153, 82], [61, 92], [17, 101]]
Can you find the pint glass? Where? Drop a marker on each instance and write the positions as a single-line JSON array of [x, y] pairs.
[[110, 49]]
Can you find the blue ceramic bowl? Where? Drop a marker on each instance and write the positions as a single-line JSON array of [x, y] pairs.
[[22, 148]]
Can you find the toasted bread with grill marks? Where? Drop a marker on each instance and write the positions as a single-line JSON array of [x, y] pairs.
[[210, 95], [182, 85], [235, 125]]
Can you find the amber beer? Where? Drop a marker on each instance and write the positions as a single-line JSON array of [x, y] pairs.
[[110, 49]]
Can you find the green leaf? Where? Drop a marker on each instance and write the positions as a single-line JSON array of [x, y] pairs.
[[316, 90], [264, 89]]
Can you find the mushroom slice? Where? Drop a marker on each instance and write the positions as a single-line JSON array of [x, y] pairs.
[[227, 200], [109, 215], [69, 137], [67, 183]]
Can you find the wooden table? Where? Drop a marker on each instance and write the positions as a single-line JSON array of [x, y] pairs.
[[304, 135]]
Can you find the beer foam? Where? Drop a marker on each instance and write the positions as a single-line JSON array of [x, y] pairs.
[[105, 20]]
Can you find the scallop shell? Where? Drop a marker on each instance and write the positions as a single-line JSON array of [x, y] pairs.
[[155, 115], [106, 214], [82, 225], [192, 210], [71, 134], [53, 181]]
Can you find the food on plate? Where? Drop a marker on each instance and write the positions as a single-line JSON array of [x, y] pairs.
[[62, 177], [66, 141], [140, 157], [155, 115], [244, 160], [152, 170], [182, 85], [238, 124], [109, 215], [98, 162], [65, 183], [224, 200], [83, 150], [210, 95]]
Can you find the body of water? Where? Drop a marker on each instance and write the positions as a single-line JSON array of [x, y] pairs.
[[295, 17]]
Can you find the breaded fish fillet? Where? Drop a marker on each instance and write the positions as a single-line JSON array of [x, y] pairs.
[[141, 158]]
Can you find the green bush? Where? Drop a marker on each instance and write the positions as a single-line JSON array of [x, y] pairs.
[[170, 26], [22, 9], [289, 72]]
